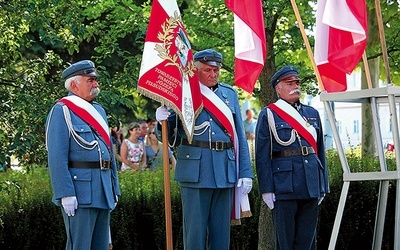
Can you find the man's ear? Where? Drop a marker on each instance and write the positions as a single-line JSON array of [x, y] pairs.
[[74, 86], [277, 89]]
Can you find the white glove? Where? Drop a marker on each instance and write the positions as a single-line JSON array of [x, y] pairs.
[[69, 204], [247, 185], [116, 200], [269, 199], [162, 113]]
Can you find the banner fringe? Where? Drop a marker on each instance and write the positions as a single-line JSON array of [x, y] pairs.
[[171, 105]]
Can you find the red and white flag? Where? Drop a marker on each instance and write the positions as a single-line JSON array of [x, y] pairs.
[[340, 40], [250, 42], [167, 72]]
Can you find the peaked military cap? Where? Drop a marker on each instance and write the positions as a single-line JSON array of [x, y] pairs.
[[283, 73], [209, 56], [81, 68]]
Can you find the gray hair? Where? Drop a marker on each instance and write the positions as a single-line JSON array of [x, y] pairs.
[[72, 79], [280, 87], [199, 65]]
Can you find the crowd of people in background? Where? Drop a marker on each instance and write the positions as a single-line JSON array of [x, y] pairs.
[[141, 150], [137, 148]]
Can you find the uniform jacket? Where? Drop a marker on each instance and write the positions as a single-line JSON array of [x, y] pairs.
[[94, 188], [203, 167], [291, 177]]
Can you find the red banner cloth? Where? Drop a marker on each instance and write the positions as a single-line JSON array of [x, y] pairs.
[[167, 72]]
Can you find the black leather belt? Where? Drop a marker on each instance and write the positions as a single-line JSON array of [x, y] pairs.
[[103, 165], [217, 145], [296, 151]]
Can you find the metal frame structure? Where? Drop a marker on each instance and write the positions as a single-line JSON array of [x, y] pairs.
[[374, 96]]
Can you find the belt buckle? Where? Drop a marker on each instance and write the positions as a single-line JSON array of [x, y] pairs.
[[304, 150], [105, 165], [219, 145]]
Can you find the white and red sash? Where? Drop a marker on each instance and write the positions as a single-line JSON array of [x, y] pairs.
[[289, 114], [213, 104], [89, 114]]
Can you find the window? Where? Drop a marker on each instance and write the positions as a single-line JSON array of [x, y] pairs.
[[355, 127], [339, 126]]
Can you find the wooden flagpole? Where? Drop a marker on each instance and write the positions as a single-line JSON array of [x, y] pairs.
[[167, 187], [383, 41], [306, 42], [367, 72], [396, 244]]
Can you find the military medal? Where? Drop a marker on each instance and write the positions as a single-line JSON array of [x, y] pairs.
[[225, 95], [307, 124]]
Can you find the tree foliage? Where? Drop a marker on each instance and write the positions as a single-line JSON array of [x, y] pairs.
[[40, 38]]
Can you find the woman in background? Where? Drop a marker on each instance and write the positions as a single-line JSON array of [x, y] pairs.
[[133, 152], [154, 152], [117, 138]]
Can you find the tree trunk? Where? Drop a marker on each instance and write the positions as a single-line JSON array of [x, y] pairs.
[[368, 140], [267, 96], [265, 229]]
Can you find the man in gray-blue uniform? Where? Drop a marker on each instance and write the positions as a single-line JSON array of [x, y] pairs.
[[81, 162], [290, 162], [205, 169]]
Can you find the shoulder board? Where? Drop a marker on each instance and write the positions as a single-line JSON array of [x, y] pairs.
[[227, 86], [307, 106]]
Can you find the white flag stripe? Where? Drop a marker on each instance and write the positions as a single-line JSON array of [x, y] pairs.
[[169, 7], [347, 21], [151, 59], [321, 36], [327, 17], [248, 45]]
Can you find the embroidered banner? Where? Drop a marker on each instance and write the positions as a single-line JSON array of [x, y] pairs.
[[167, 72]]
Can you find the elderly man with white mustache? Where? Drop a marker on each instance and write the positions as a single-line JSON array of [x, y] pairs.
[[81, 162], [290, 162]]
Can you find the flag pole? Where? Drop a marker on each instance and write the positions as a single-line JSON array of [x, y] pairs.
[[383, 41], [306, 42], [367, 72], [393, 118], [167, 187]]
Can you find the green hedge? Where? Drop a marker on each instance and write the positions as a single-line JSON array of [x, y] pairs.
[[28, 219]]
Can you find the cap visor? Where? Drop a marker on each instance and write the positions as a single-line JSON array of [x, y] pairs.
[[90, 74], [212, 63]]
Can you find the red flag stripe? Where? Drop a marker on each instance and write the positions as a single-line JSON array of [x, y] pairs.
[[250, 49], [340, 41]]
